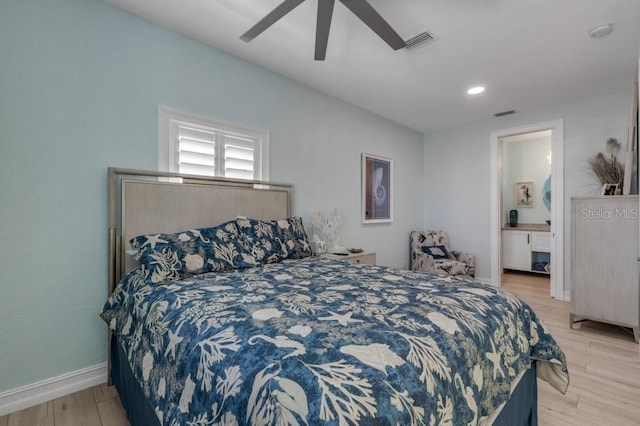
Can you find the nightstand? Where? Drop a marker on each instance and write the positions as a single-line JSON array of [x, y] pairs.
[[365, 257]]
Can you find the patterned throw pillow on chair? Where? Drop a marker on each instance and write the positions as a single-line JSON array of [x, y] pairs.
[[437, 252]]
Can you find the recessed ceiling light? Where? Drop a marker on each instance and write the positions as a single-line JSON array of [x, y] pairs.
[[475, 90]]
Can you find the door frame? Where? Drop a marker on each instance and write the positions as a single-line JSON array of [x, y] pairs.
[[557, 201]]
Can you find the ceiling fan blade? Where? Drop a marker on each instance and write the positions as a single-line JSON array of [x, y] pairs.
[[323, 24], [367, 14], [272, 17]]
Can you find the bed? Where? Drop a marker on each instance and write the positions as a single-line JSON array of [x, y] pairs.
[[226, 318]]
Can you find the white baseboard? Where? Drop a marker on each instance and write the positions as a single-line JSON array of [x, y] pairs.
[[55, 387], [567, 296]]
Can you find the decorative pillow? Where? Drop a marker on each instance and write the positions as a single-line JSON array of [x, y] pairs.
[[165, 257], [295, 238], [262, 238], [275, 240], [437, 252]]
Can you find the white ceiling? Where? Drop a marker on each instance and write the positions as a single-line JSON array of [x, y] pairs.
[[528, 53]]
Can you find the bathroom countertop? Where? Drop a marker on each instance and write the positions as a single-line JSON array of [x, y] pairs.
[[541, 227]]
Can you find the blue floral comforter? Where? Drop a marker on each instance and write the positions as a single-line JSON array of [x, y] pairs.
[[318, 341]]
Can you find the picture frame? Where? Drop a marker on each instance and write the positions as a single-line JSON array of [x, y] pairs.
[[609, 188], [525, 194], [377, 189], [630, 180]]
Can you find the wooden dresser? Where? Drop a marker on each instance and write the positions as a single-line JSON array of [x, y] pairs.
[[605, 283]]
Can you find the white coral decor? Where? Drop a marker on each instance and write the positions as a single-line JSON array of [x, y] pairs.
[[326, 224]]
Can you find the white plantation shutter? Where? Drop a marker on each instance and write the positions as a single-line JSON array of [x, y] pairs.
[[196, 151], [239, 157], [195, 145]]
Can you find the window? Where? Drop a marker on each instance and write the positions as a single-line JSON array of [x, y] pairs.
[[202, 146]]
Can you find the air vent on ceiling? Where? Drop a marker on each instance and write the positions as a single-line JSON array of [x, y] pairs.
[[601, 30], [421, 39], [500, 114]]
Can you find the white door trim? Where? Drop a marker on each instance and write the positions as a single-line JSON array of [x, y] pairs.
[[557, 201]]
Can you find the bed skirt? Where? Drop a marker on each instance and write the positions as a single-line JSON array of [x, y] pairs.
[[521, 409], [139, 411]]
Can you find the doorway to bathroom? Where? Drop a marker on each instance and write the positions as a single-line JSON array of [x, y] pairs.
[[527, 203]]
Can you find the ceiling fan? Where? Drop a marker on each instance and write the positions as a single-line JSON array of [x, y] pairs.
[[361, 8]]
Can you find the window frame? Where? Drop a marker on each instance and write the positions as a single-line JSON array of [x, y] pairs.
[[168, 124]]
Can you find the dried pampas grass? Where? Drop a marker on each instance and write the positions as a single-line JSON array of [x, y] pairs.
[[607, 168]]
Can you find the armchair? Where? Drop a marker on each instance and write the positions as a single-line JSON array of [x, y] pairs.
[[431, 252]]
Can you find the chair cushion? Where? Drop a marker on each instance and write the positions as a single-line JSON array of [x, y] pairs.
[[437, 252], [450, 267]]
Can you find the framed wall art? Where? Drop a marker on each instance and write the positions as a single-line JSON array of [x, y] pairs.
[[609, 189], [525, 194], [377, 189]]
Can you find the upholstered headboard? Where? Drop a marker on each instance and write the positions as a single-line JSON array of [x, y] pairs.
[[145, 202]]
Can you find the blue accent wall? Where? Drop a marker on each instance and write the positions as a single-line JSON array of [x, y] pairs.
[[80, 84], [587, 126]]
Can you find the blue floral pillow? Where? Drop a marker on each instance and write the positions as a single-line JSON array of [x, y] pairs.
[[165, 257], [275, 240], [295, 238], [263, 238], [437, 252]]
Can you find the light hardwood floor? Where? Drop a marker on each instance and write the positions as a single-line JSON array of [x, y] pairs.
[[603, 360], [604, 369]]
